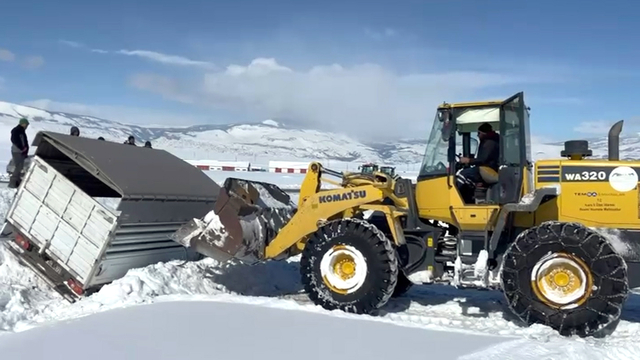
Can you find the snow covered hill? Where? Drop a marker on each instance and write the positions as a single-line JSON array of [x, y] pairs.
[[266, 140], [258, 142]]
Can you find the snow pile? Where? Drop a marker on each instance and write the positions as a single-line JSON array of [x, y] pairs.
[[27, 301], [232, 332], [23, 295]]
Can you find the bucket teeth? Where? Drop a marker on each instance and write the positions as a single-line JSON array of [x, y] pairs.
[[247, 215]]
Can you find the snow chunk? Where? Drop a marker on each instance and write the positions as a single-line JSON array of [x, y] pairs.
[[210, 225], [527, 199], [214, 225], [268, 199], [271, 123], [6, 198], [614, 237], [367, 214], [421, 277], [480, 267]]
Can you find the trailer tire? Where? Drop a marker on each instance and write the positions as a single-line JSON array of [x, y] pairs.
[[402, 286], [349, 265], [565, 276]]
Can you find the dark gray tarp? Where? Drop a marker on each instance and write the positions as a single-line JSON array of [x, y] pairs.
[[131, 171]]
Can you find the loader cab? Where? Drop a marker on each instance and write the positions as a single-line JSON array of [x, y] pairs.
[[389, 170], [454, 135], [368, 168]]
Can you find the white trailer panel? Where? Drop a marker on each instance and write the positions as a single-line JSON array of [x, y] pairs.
[[64, 222]]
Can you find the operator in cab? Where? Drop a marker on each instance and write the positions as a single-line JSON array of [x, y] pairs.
[[488, 155]]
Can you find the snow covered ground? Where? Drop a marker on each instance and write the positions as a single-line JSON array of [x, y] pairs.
[[233, 311]]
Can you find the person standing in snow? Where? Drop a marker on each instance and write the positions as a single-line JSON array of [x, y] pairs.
[[148, 144], [131, 140], [74, 131], [19, 151]]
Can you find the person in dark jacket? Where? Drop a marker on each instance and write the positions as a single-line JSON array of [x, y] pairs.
[[488, 155], [19, 151], [101, 138], [148, 144], [131, 140], [74, 131]]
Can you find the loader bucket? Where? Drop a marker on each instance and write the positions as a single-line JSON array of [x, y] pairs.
[[247, 215]]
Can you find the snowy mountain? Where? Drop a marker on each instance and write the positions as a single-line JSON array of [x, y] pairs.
[[257, 142], [266, 140]]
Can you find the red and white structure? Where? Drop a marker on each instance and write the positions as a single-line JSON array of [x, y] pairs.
[[215, 165], [290, 167]]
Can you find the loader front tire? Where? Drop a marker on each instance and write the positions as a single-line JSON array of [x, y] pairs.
[[349, 265], [565, 276]]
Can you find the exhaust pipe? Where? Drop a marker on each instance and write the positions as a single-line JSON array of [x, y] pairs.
[[614, 141]]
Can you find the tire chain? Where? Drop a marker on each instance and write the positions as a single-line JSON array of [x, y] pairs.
[[549, 231], [333, 228]]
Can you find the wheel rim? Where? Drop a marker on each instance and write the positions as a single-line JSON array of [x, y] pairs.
[[561, 280], [343, 269]]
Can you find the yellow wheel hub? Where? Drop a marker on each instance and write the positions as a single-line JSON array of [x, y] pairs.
[[561, 280], [343, 269]]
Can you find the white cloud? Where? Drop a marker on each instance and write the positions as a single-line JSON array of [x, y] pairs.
[[33, 62], [146, 54], [123, 114], [592, 127], [365, 100], [601, 127], [6, 55], [166, 59]]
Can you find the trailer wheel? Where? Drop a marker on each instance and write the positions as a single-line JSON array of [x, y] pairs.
[[349, 265], [565, 276], [402, 286]]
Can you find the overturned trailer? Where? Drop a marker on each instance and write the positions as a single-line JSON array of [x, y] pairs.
[[87, 210]]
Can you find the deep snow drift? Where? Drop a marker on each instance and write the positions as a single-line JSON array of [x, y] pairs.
[[230, 331], [26, 302]]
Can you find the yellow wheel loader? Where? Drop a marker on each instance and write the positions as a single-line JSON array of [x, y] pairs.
[[558, 238]]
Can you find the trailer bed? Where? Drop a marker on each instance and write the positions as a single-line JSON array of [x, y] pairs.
[[88, 211]]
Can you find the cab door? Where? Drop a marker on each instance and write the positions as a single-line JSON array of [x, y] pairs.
[[513, 148]]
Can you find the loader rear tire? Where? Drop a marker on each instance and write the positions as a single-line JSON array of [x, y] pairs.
[[370, 267], [565, 276]]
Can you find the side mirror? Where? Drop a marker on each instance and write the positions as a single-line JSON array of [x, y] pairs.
[[446, 131], [443, 115]]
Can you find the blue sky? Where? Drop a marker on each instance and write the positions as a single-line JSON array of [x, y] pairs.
[[369, 68]]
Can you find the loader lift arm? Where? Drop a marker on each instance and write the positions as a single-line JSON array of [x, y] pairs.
[[355, 192]]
